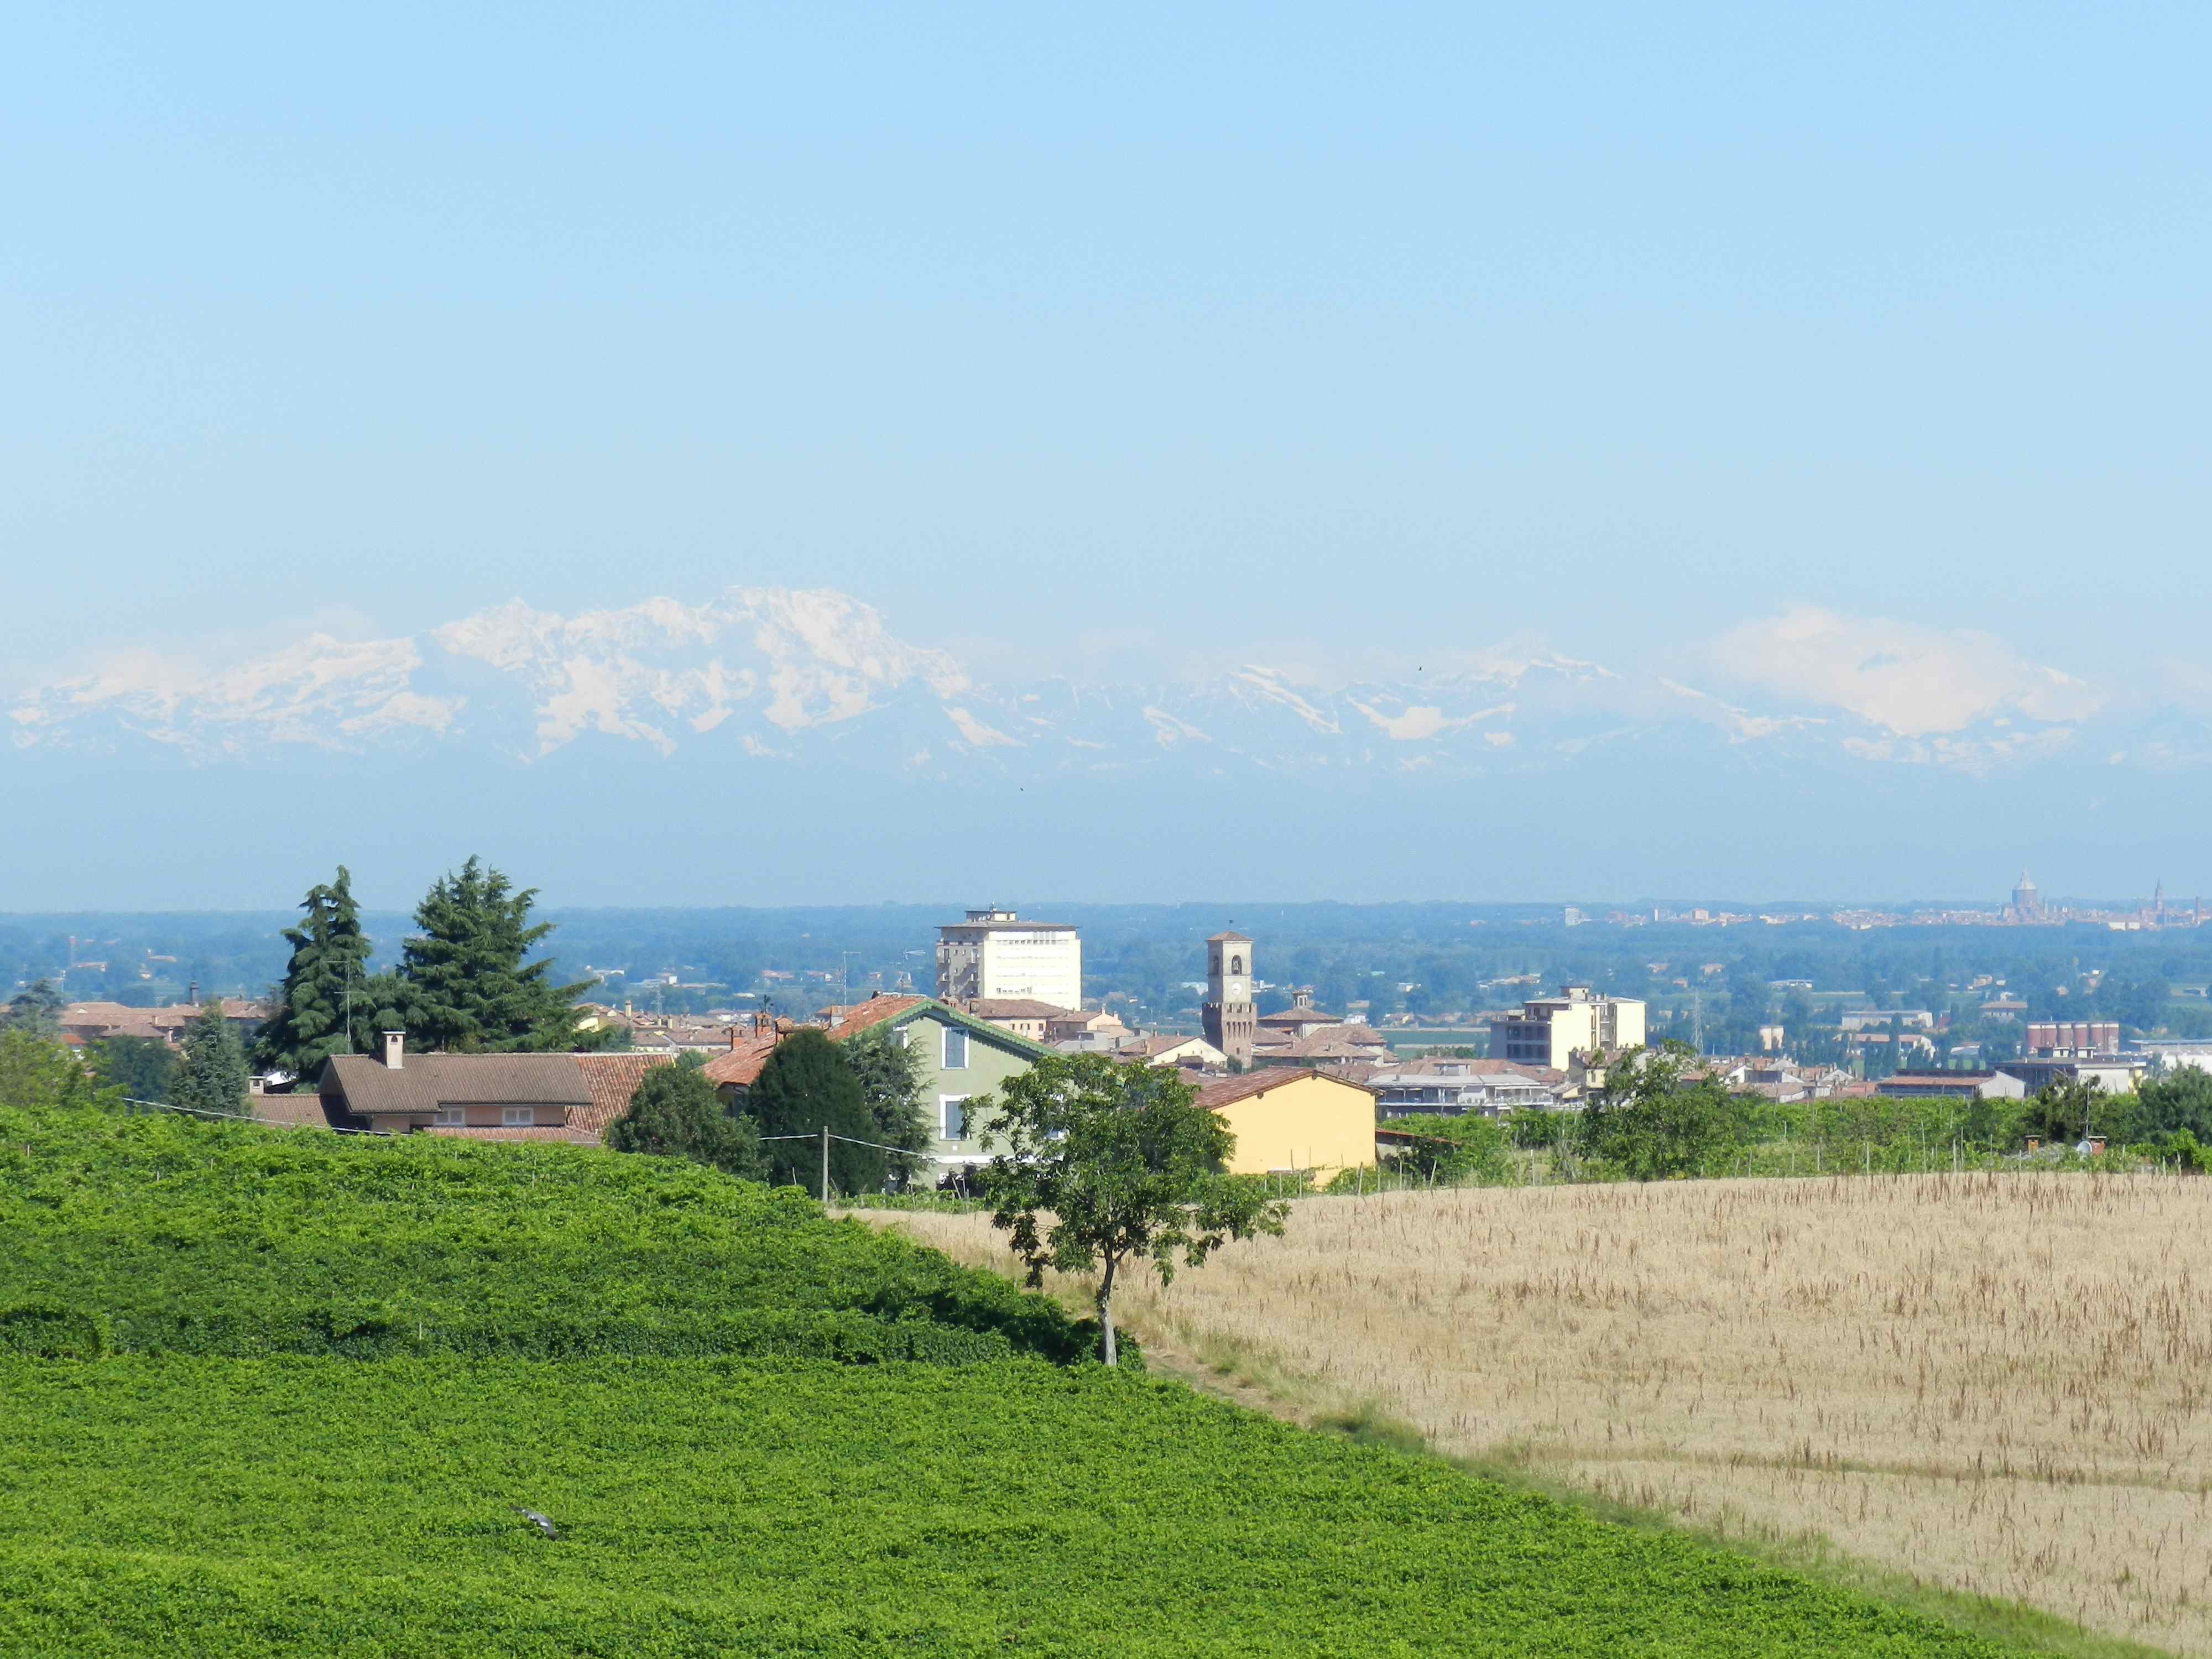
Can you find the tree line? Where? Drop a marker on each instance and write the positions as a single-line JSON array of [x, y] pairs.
[[463, 983], [1661, 1117], [865, 1092]]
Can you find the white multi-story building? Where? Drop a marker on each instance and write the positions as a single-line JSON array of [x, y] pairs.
[[1551, 1030], [995, 953]]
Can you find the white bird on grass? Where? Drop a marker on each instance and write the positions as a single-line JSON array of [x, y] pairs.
[[540, 1522]]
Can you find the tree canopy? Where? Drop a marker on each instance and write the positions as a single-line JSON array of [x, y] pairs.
[[1106, 1166], [35, 1010], [327, 977], [211, 1075], [464, 986], [37, 1070], [143, 1068], [890, 1087], [1654, 1121], [675, 1112], [808, 1085]]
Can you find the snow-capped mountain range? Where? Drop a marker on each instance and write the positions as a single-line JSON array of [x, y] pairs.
[[775, 675]]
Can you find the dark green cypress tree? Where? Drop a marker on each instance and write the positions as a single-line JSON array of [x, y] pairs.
[[210, 1076], [328, 973], [465, 985], [806, 1084]]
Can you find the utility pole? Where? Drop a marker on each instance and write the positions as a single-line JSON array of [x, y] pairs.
[[825, 1163]]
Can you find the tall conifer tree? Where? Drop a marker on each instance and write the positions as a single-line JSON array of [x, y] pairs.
[[465, 986], [327, 976], [210, 1078]]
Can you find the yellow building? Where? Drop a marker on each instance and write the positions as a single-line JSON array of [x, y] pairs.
[[1287, 1120]]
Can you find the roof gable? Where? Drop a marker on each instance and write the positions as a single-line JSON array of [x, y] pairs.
[[1249, 1085], [930, 1008]]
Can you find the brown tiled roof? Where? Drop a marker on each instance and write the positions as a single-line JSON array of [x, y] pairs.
[[1340, 1042], [1229, 938], [612, 1079], [293, 1111], [1229, 1089], [371, 1089], [1017, 1008], [1299, 1017], [1159, 1042], [742, 1064], [99, 1013]]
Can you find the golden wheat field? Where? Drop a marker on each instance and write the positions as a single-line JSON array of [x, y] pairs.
[[1998, 1383]]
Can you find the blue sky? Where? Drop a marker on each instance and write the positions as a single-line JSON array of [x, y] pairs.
[[1327, 335]]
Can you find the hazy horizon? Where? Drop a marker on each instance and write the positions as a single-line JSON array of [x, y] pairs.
[[751, 455]]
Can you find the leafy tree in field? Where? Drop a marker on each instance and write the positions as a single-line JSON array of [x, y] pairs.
[[36, 1010], [2180, 1153], [327, 976], [2181, 1099], [1109, 1165], [1463, 1148], [891, 1085], [1538, 1128], [464, 986], [676, 1112], [37, 1070], [2066, 1111], [806, 1086], [210, 1076], [141, 1068], [1652, 1121]]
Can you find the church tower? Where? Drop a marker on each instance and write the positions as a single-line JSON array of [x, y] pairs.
[[1231, 1022]]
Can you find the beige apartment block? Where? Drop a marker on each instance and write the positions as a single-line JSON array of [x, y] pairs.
[[1552, 1031], [995, 954]]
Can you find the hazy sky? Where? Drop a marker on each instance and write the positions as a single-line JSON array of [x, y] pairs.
[[1048, 331]]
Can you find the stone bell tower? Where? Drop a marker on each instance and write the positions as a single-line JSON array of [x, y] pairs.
[[1231, 1022]]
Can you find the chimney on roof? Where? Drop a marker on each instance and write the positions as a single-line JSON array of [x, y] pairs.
[[192, 994], [395, 1050]]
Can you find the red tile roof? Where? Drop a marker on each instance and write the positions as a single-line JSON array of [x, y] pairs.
[[741, 1066], [612, 1079], [1016, 1008], [1214, 1096], [866, 1016]]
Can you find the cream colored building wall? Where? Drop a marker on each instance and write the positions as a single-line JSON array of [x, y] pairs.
[[1045, 965], [1628, 1024], [1307, 1123], [1574, 1026]]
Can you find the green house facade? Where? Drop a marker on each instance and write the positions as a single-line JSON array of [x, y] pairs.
[[963, 1059]]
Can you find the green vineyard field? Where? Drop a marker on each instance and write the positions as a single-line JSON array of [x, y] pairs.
[[193, 1506]]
